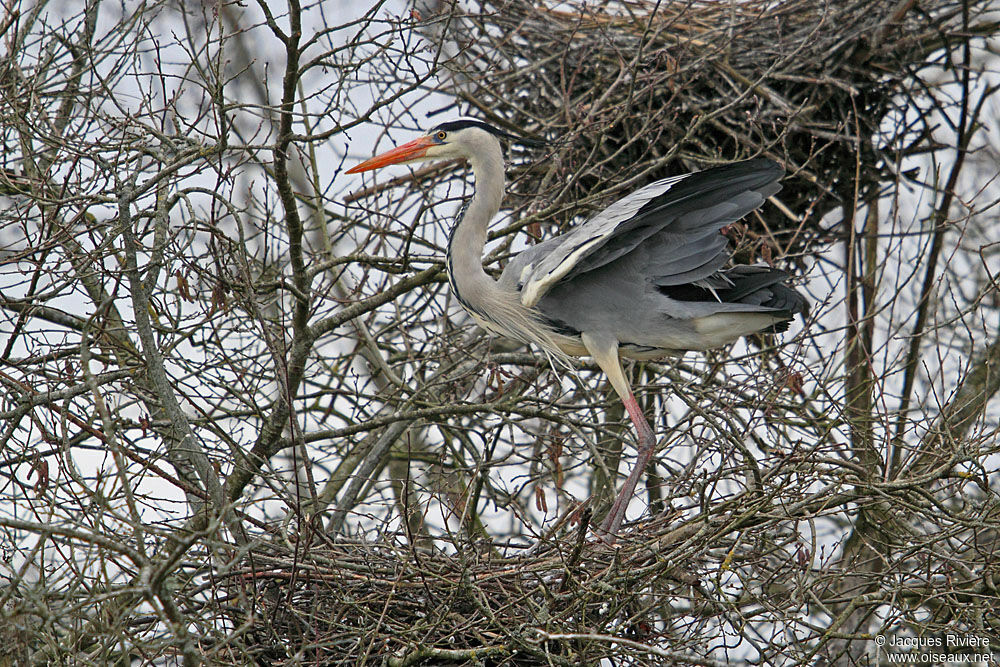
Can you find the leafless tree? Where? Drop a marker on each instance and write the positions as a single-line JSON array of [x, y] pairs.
[[244, 421]]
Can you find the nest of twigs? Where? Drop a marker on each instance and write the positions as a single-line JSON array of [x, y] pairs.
[[639, 90], [562, 602]]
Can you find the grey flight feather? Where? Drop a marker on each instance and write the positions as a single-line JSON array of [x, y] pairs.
[[540, 270], [679, 216]]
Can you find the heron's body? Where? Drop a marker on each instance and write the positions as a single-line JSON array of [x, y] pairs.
[[644, 278]]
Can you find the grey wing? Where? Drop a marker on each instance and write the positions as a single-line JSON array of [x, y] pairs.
[[542, 265], [684, 214]]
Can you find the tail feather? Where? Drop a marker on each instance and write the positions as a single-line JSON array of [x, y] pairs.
[[753, 285]]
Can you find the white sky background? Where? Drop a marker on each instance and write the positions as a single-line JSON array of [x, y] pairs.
[[968, 272]]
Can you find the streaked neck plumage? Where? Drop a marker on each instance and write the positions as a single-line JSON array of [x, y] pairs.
[[498, 310], [470, 282]]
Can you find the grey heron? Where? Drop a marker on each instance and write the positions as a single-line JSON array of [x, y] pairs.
[[643, 279]]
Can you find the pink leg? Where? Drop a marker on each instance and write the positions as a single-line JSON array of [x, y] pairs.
[[646, 446], [604, 350]]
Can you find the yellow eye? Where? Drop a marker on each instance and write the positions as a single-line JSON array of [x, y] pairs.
[[441, 135]]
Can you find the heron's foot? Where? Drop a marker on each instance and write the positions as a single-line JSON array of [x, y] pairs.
[[608, 531], [616, 515]]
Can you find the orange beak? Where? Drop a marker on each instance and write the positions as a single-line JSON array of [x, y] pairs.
[[408, 151]]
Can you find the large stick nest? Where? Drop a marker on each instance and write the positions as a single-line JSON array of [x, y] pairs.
[[636, 91], [396, 605]]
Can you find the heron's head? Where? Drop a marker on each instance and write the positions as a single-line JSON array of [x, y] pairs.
[[462, 138]]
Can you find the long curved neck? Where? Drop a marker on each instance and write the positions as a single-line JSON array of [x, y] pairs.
[[497, 309], [465, 248]]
